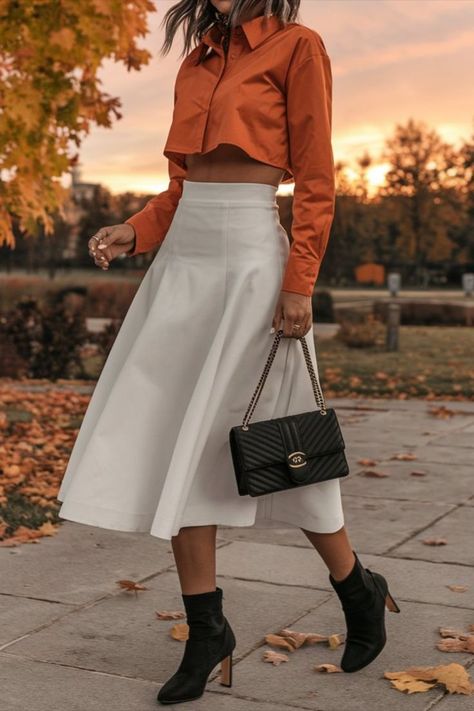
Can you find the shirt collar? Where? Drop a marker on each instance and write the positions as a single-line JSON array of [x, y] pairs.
[[256, 31]]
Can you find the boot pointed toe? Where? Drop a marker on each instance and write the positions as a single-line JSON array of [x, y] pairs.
[[211, 640]]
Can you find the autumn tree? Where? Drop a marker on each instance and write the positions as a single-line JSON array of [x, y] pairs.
[[50, 95], [462, 232], [424, 172]]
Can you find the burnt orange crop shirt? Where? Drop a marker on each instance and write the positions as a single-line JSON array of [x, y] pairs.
[[271, 96]]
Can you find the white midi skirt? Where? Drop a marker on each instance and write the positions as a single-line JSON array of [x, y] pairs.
[[153, 452]]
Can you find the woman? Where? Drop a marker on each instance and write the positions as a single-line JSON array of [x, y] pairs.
[[252, 108]]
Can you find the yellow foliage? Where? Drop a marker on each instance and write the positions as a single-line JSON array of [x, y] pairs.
[[51, 95]]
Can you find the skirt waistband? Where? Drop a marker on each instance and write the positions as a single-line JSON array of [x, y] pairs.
[[204, 191]]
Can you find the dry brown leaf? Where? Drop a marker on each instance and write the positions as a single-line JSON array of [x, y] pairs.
[[180, 631], [457, 588], [418, 472], [48, 529], [296, 639], [303, 637], [456, 644], [454, 677], [335, 640], [442, 412], [277, 640], [404, 456], [434, 541], [373, 473], [452, 632], [406, 682], [274, 658], [367, 462], [131, 585], [169, 614], [329, 668]]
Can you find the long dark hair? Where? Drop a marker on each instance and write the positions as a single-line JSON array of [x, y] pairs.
[[197, 16]]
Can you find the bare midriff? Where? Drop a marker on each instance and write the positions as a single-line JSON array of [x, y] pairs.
[[230, 164]]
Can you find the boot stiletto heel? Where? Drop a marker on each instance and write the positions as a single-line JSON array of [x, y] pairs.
[[390, 604], [364, 597], [211, 640], [226, 671]]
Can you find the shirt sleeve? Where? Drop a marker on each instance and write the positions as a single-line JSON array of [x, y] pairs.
[[309, 117], [153, 221]]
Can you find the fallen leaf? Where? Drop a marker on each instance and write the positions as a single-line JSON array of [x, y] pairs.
[[418, 473], [451, 644], [367, 462], [404, 456], [329, 668], [373, 473], [434, 541], [274, 658], [442, 412], [278, 641], [457, 588], [48, 529], [451, 632], [303, 637], [406, 682], [454, 677], [335, 640], [169, 615], [131, 585], [180, 631]]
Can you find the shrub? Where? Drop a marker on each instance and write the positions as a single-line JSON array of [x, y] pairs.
[[367, 334], [48, 339], [428, 312], [110, 299], [106, 337], [322, 305]]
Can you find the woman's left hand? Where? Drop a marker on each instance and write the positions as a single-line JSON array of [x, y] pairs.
[[294, 310]]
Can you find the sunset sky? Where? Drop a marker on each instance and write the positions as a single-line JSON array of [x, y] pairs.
[[391, 60]]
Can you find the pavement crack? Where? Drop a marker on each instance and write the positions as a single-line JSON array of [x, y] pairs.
[[454, 507]]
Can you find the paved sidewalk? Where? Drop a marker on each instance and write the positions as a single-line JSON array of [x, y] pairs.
[[71, 640]]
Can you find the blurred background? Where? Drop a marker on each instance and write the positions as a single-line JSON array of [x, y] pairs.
[[85, 107]]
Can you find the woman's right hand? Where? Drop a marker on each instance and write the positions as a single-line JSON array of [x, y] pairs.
[[110, 242]]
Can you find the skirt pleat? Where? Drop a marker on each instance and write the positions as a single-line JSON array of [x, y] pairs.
[[152, 453]]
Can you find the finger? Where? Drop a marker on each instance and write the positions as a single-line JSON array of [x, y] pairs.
[[101, 257], [298, 325], [288, 322], [306, 326], [98, 237], [276, 323], [102, 240]]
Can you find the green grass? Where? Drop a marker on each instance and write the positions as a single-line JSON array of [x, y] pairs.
[[431, 362]]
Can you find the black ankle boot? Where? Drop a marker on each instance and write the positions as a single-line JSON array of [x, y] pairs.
[[364, 595], [211, 640]]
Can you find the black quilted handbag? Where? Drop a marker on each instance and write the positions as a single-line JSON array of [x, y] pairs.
[[285, 452]]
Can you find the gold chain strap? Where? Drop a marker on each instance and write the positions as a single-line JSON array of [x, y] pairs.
[[318, 395]]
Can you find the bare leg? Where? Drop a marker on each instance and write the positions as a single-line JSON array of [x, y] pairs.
[[194, 550], [335, 549]]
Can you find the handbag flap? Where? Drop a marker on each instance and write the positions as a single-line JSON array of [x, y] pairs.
[[305, 435]]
